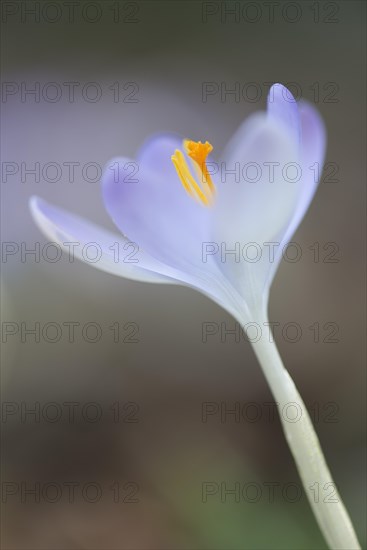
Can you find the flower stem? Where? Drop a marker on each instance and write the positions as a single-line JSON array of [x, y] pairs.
[[303, 442]]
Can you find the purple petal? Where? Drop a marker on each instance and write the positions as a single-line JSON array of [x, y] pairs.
[[255, 198], [63, 227], [255, 212], [155, 210], [283, 108], [313, 145]]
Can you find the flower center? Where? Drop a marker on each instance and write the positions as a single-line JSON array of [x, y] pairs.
[[204, 190]]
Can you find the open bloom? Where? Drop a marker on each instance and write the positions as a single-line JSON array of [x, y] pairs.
[[192, 217]]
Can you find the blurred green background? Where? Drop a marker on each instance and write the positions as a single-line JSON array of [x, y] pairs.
[[168, 49]]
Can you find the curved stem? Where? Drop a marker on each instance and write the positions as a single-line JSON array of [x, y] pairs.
[[303, 442]]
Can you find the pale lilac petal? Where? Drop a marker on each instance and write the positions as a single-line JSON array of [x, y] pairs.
[[313, 146], [256, 202], [155, 210], [265, 214], [283, 108], [63, 227], [255, 211], [156, 151], [251, 214]]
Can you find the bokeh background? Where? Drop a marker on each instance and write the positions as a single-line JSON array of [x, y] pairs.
[[160, 452]]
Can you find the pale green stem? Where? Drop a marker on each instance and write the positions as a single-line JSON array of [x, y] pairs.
[[303, 442]]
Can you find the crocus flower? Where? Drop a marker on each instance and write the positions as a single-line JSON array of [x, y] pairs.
[[186, 213], [176, 229]]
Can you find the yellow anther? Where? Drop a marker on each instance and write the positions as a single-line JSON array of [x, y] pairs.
[[198, 153]]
